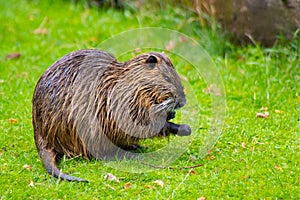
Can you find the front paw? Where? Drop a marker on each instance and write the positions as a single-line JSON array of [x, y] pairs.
[[184, 130], [171, 115]]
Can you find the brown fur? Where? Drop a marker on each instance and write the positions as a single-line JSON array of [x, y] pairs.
[[89, 104]]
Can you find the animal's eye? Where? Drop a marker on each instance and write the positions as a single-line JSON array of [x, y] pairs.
[[152, 60], [167, 79]]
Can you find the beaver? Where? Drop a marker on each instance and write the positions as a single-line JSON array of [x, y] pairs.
[[91, 105]]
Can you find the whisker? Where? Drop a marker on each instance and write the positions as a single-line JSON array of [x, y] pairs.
[[167, 105]]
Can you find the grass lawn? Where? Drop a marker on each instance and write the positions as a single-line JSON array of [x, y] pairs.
[[255, 158]]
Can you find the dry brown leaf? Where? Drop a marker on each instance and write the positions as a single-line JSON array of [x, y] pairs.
[[277, 167], [159, 182], [14, 55], [262, 115], [41, 31], [28, 167], [148, 186], [278, 111], [111, 177], [210, 151], [211, 157], [264, 108], [182, 39], [110, 187], [127, 185], [170, 45], [13, 121], [31, 184], [244, 145]]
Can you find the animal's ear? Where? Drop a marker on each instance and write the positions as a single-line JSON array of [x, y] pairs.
[[151, 61]]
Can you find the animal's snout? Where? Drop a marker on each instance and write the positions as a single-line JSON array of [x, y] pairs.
[[181, 103]]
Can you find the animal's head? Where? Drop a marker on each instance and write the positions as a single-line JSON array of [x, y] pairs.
[[156, 85]]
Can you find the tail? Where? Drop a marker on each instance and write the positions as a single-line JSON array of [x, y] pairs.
[[48, 156], [48, 159]]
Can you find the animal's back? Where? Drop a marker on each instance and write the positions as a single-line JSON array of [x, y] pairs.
[[55, 103]]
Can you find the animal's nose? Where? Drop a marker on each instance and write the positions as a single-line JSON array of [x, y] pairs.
[[181, 103]]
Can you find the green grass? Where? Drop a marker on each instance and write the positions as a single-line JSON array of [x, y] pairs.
[[253, 76]]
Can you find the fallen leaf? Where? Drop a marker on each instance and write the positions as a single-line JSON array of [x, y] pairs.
[[28, 167], [14, 55], [170, 45], [182, 39], [201, 198], [262, 115], [278, 111], [264, 108], [111, 177], [244, 145], [277, 167], [148, 186], [13, 121], [110, 187], [211, 157], [41, 31], [159, 182], [31, 184], [127, 185]]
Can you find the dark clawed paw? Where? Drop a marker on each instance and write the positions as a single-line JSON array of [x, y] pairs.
[[171, 115], [184, 130]]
